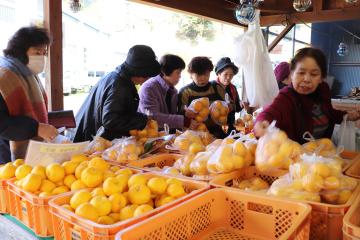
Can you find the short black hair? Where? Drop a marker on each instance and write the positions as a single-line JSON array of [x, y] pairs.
[[200, 65], [25, 38], [169, 63], [314, 53]]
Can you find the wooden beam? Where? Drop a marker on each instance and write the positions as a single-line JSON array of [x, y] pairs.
[[54, 68], [280, 36], [311, 17], [201, 8]]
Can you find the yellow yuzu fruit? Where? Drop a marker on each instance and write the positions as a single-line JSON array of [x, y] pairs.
[[102, 204], [118, 201], [99, 163], [31, 182], [139, 194], [80, 197], [47, 186], [137, 179], [87, 211], [78, 184], [70, 167], [98, 192], [78, 158], [55, 172], [69, 180], [142, 209], [106, 220], [127, 212], [59, 190], [22, 171], [7, 171], [92, 177], [18, 162]]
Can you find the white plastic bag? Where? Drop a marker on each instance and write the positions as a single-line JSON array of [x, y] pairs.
[[346, 135], [252, 54]]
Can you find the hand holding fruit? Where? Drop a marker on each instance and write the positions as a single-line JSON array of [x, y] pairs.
[[260, 128], [189, 113]]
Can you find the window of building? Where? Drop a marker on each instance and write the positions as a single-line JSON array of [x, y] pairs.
[[298, 37]]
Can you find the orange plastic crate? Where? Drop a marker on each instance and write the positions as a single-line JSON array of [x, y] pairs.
[[31, 210], [326, 219], [223, 214], [351, 227], [69, 226], [228, 180], [4, 197], [354, 169]]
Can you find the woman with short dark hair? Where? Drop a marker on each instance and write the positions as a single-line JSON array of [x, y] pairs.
[[200, 69], [304, 105], [23, 101], [159, 96], [225, 70]]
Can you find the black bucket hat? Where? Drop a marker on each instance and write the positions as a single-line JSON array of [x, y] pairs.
[[141, 61], [225, 62]]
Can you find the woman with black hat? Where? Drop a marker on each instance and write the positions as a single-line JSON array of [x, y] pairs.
[[114, 101], [225, 70]]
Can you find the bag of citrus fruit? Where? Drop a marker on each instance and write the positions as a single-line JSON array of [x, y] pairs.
[[191, 141], [219, 111], [323, 146], [275, 150], [201, 107], [124, 150], [98, 144], [286, 187]]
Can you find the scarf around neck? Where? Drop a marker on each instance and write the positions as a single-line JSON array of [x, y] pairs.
[[22, 91]]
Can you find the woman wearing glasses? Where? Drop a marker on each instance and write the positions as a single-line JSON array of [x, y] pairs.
[[23, 101]]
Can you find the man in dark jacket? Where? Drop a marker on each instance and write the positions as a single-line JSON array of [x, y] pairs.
[[114, 101]]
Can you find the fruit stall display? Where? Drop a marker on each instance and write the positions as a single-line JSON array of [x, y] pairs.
[[94, 195]]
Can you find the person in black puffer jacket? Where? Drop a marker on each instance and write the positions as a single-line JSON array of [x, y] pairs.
[[114, 100]]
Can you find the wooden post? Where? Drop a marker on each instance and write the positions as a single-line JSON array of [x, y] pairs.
[[54, 68]]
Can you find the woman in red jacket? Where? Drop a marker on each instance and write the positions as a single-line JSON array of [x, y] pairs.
[[305, 105]]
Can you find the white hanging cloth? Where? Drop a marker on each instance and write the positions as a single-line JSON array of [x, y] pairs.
[[252, 54]]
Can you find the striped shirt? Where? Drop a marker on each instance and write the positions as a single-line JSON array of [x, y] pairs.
[[320, 121]]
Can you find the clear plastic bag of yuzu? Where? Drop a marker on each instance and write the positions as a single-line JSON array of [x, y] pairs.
[[275, 150], [201, 107], [219, 111]]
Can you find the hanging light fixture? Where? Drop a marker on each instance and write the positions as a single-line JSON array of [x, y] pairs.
[[351, 1], [75, 5], [301, 5], [342, 50], [245, 11]]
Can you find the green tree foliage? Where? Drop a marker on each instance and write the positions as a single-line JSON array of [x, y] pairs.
[[194, 28]]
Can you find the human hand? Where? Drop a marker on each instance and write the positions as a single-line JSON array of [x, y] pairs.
[[47, 132], [194, 124], [353, 115], [190, 114], [260, 128]]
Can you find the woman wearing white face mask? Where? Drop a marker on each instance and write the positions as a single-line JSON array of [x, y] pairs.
[[23, 101]]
